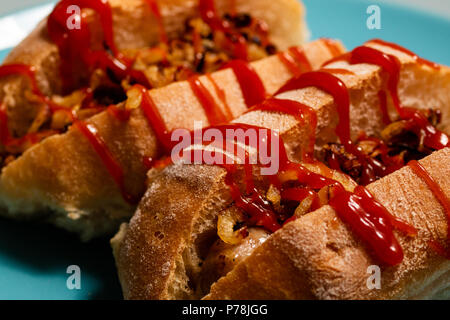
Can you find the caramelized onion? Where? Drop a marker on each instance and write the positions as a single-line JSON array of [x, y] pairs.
[[228, 226]]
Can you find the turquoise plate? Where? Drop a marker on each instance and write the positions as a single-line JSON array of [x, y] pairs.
[[34, 258]]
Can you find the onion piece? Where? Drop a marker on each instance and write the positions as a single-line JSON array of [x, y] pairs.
[[226, 226]]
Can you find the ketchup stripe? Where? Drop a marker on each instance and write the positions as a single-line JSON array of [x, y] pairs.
[[102, 150], [332, 46], [335, 87], [299, 55], [290, 63], [222, 96], [406, 51], [155, 119], [352, 208], [251, 85], [433, 138], [422, 173], [76, 48], [212, 110], [370, 225], [299, 111]]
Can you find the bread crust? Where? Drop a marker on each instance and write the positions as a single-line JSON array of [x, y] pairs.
[[157, 261], [332, 263], [64, 175], [135, 26]]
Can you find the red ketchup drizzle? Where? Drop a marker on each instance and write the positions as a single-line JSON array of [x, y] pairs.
[[221, 94], [155, 119], [406, 51], [335, 87], [75, 44], [384, 107], [88, 130], [153, 4], [29, 72], [295, 60], [332, 46], [209, 14], [212, 110], [8, 141], [252, 202], [300, 57], [417, 122], [422, 173], [370, 221], [290, 63], [359, 210], [251, 85], [111, 164]]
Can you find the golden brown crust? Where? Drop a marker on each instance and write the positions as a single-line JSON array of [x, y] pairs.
[[64, 174], [142, 277], [332, 262]]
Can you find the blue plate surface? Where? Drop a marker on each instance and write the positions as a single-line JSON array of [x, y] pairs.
[[34, 258]]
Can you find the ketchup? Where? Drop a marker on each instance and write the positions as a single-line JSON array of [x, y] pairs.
[[335, 87], [299, 56], [370, 221], [212, 110], [406, 51], [8, 141], [250, 201], [417, 122], [221, 94], [332, 46], [75, 44], [422, 173], [30, 73], [209, 15], [290, 63], [359, 209], [111, 164], [300, 111], [380, 232], [251, 85], [24, 70], [296, 61], [155, 119]]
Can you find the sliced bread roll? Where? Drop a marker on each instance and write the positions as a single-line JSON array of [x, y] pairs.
[[159, 254]]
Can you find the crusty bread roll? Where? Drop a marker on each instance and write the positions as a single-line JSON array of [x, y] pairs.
[[135, 26], [318, 256], [65, 179], [159, 255]]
